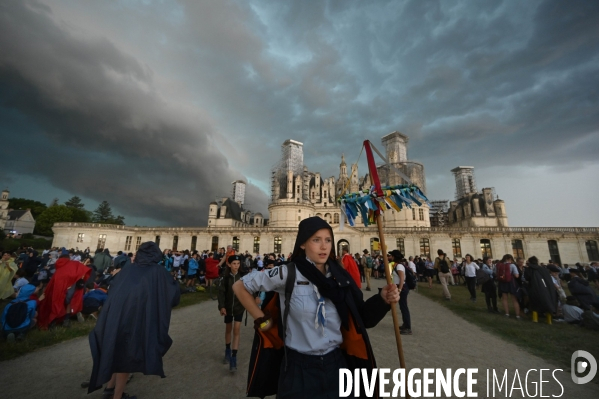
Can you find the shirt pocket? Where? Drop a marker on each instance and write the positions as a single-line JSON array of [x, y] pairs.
[[303, 299]]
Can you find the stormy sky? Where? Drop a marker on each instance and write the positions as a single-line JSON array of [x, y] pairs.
[[157, 106]]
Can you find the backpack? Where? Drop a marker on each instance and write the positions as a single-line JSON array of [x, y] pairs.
[[369, 262], [443, 267], [16, 314], [503, 272], [268, 349], [410, 279], [482, 277]]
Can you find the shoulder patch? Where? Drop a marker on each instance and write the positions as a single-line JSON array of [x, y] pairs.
[[273, 272]]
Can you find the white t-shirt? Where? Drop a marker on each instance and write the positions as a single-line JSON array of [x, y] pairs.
[[412, 266], [471, 269], [398, 268]]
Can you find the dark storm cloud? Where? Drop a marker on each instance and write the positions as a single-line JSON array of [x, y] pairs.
[[486, 83], [106, 132]]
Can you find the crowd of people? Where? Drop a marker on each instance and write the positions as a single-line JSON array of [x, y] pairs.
[[59, 285]]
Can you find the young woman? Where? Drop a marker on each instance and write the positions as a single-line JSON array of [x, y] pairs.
[[325, 309], [507, 288], [429, 271], [470, 268], [232, 309], [455, 272]]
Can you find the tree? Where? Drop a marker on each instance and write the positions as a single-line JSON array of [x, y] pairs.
[[81, 215], [54, 214], [103, 214], [54, 202], [22, 203], [75, 202]]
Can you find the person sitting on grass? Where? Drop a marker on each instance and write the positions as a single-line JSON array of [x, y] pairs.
[[94, 299], [590, 318], [8, 268], [20, 281], [20, 315]]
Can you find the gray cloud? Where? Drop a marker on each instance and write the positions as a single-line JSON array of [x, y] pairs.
[[175, 100]]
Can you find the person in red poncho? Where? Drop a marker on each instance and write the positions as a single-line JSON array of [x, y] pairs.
[[350, 265], [53, 306], [211, 269]]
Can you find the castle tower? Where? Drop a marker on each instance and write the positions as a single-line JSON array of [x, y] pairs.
[[464, 181], [4, 208], [396, 147], [238, 191]]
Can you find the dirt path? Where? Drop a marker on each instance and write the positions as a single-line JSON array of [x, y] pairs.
[[194, 369]]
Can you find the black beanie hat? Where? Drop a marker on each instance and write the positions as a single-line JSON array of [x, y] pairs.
[[307, 228]]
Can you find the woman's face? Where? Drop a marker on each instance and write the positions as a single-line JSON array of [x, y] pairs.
[[318, 247], [468, 259]]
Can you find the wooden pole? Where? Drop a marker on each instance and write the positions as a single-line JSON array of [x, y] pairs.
[[388, 274]]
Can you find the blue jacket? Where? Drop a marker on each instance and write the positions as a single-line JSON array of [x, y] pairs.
[[193, 266], [98, 295], [23, 296]]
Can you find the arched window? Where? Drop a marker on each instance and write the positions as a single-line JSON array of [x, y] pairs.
[[485, 248], [194, 243], [517, 249], [101, 241], [157, 240], [257, 244], [327, 217], [399, 243], [336, 218], [554, 252], [425, 247], [456, 247], [592, 251], [214, 246]]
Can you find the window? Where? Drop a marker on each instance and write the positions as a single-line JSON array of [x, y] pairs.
[[517, 249], [128, 243], [101, 241], [194, 243], [327, 217], [299, 211], [278, 245], [554, 252], [298, 189], [485, 248], [214, 246], [312, 194], [175, 242], [399, 243], [325, 194], [299, 218], [457, 248], [157, 240], [336, 218], [80, 237], [413, 214], [236, 243], [137, 243], [375, 245], [425, 247], [257, 245], [421, 214], [592, 251]]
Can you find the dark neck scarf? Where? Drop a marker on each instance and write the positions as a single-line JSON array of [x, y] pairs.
[[328, 287]]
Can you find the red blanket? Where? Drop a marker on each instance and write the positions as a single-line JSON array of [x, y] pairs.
[[52, 307]]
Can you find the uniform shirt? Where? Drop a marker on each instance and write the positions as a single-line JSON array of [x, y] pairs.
[[302, 335], [412, 266]]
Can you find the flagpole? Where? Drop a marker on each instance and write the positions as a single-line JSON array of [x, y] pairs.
[[388, 272]]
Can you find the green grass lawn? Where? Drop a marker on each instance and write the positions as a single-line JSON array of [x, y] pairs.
[[37, 339], [555, 342]]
